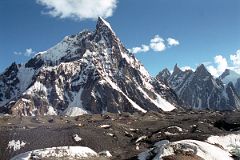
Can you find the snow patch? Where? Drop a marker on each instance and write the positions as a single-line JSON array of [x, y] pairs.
[[164, 104], [51, 111], [170, 134], [77, 138], [202, 149], [159, 101], [176, 127], [16, 145], [230, 142], [36, 87], [141, 139], [74, 111], [105, 126], [105, 153], [106, 23], [70, 152], [114, 86]]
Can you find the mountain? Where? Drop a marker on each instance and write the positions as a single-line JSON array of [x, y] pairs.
[[231, 76], [163, 75], [90, 72], [200, 90]]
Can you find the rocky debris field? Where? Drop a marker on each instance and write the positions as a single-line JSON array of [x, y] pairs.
[[112, 136]]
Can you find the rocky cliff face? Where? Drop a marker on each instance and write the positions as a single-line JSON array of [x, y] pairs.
[[90, 72], [200, 90]]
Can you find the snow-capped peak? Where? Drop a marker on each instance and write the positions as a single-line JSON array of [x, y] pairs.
[[229, 76], [104, 25], [102, 21]]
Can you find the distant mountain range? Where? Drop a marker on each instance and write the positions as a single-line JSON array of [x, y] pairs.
[[200, 90], [92, 72]]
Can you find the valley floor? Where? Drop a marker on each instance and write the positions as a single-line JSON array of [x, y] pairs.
[[123, 135]]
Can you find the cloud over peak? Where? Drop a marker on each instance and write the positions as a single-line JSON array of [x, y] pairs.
[[28, 52], [156, 44], [79, 9], [143, 48]]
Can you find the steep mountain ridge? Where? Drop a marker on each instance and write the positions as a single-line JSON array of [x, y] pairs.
[[91, 72], [200, 90]]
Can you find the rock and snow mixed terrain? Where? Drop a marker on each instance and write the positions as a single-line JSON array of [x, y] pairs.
[[90, 72], [200, 90], [230, 76], [194, 136]]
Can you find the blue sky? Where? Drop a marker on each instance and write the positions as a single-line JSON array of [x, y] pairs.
[[208, 31]]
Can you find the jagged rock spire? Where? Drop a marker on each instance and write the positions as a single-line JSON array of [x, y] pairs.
[[104, 26], [163, 75], [176, 69], [202, 70]]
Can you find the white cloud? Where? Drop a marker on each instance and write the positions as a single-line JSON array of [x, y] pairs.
[[157, 44], [207, 63], [213, 70], [17, 53], [172, 42], [143, 48], [28, 52], [235, 58], [220, 64], [79, 9], [184, 68]]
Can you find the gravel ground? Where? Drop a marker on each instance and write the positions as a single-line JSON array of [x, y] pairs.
[[123, 135]]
